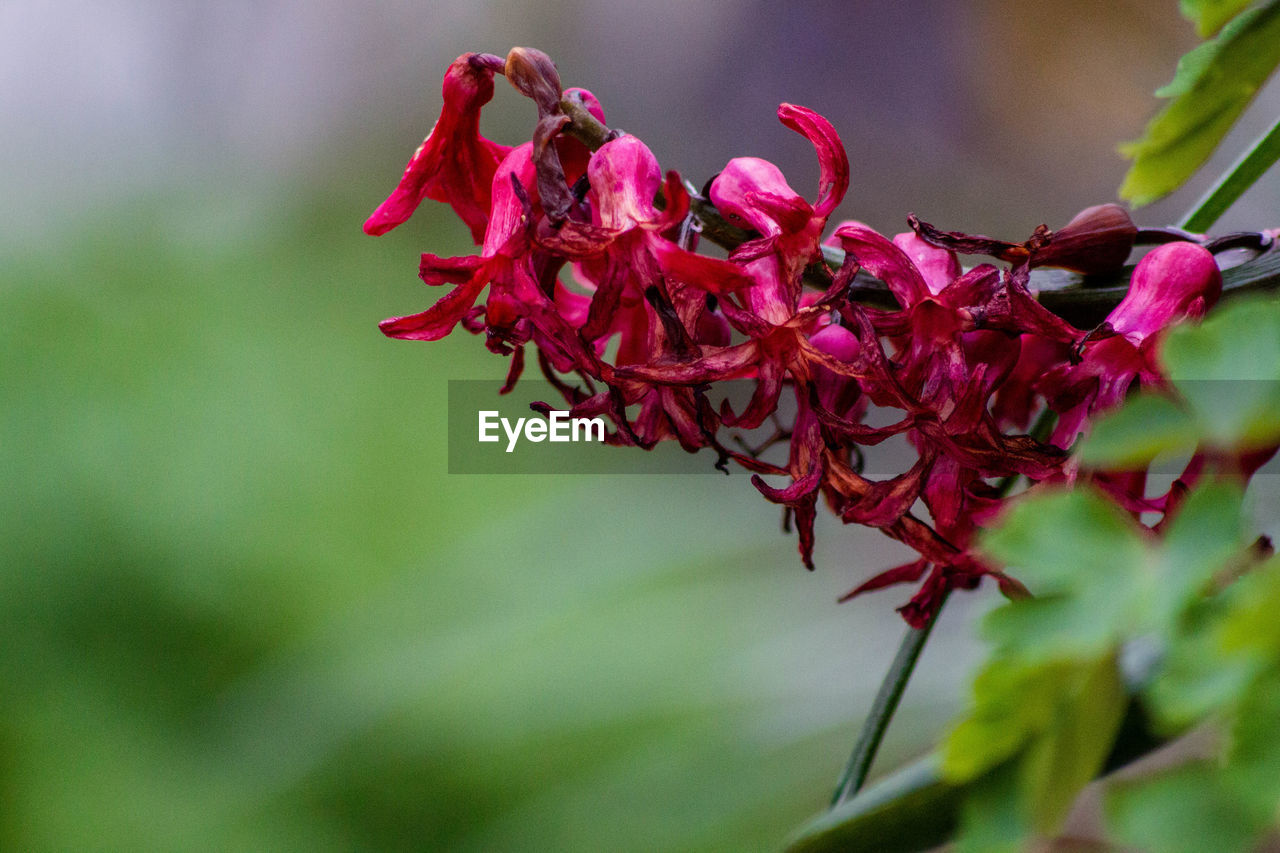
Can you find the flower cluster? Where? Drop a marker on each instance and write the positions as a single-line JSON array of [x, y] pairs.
[[590, 259]]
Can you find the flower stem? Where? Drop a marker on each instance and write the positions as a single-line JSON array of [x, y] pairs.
[[1242, 175], [882, 710]]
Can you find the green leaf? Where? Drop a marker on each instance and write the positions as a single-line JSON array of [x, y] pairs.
[[1071, 752], [1212, 86], [1185, 810], [1011, 704], [1067, 541], [1086, 564], [1253, 770], [1207, 531], [1035, 737], [1133, 435], [1228, 370], [1221, 646], [1210, 15], [910, 809], [1064, 626], [993, 819], [1250, 627]]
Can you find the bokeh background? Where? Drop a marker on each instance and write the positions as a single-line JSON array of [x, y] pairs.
[[243, 605]]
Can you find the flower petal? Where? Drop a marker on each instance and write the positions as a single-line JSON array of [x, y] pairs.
[[885, 261], [832, 159], [454, 164]]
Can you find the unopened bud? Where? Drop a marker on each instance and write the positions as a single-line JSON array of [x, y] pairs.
[[1173, 281], [1097, 240], [534, 74]]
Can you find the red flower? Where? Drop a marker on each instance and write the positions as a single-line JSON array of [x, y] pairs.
[[454, 164]]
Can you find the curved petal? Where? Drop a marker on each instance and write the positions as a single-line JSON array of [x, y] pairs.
[[625, 178], [832, 160], [743, 176], [435, 270], [438, 320], [706, 273], [937, 266], [454, 164], [1165, 288], [885, 261]]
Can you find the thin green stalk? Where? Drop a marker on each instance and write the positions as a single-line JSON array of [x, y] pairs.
[[1232, 185], [882, 711]]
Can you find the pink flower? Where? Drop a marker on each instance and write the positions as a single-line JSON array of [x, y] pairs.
[[454, 164]]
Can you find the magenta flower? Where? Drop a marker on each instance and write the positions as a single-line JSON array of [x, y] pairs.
[[643, 326], [1173, 282], [454, 164]]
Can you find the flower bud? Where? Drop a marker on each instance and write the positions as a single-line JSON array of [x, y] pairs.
[[534, 74], [1097, 240], [1173, 281]]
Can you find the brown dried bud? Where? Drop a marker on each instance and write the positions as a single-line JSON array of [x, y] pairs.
[[1098, 240], [534, 74]]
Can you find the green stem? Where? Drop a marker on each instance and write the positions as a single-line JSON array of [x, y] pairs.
[[1232, 185], [882, 710]]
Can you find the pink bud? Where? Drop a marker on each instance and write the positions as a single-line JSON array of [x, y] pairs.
[[1173, 281]]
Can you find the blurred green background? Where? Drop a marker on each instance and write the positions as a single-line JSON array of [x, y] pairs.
[[244, 606]]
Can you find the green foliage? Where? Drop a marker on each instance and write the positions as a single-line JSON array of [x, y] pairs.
[[1209, 16], [1131, 437], [1211, 88], [1184, 810], [1228, 371], [1048, 704]]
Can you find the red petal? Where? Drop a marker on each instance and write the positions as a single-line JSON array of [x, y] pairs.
[[438, 320], [906, 573], [454, 164], [832, 160]]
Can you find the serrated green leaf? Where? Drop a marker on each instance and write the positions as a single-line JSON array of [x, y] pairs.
[[1212, 86], [1249, 626], [1228, 371], [1184, 810], [1220, 646], [1070, 753], [1209, 16], [1067, 541], [1207, 531], [1065, 626], [1195, 680], [1138, 432], [1011, 703]]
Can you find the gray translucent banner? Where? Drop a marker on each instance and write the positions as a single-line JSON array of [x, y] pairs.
[[491, 433]]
